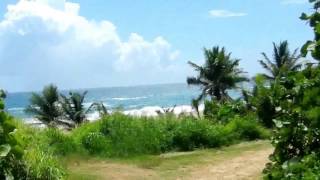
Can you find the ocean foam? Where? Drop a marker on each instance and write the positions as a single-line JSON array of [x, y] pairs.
[[148, 111], [129, 98]]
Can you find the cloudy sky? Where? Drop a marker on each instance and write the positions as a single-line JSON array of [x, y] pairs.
[[100, 43]]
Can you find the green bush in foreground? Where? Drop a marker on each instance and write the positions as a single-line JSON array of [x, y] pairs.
[[41, 150], [120, 135], [297, 120], [12, 165], [247, 128], [95, 143]]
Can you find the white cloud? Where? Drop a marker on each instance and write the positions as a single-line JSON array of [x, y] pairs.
[[220, 13], [44, 41], [287, 2]]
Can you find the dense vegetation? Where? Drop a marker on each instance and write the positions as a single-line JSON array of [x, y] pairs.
[[219, 73], [11, 164], [297, 115], [122, 136], [119, 135], [284, 101]]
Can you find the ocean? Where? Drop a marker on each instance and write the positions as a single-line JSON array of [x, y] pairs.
[[125, 98]]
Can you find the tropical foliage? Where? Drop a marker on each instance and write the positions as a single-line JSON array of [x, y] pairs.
[[219, 73], [73, 108], [313, 46], [100, 108], [11, 163], [283, 61], [45, 106], [297, 102], [285, 100], [54, 108]]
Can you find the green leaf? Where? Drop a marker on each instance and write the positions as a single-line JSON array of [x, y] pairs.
[[1, 105], [317, 29], [4, 150], [304, 16], [278, 123]]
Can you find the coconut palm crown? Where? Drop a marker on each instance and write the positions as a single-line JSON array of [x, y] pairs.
[[282, 62], [45, 106], [73, 108], [219, 74]]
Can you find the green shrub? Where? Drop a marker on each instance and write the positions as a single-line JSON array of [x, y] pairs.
[[306, 168], [95, 143], [222, 112], [263, 101], [190, 134], [120, 135], [60, 142], [132, 135], [246, 128], [41, 147], [12, 165], [297, 101], [84, 129]]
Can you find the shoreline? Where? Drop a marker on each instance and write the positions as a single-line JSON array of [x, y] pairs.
[[147, 111]]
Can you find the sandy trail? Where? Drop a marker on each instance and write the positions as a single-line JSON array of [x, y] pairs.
[[247, 166], [241, 165]]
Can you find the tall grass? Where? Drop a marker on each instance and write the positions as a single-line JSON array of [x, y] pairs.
[[119, 135], [40, 153]]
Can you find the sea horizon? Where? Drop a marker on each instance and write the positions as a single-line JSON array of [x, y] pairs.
[[119, 97]]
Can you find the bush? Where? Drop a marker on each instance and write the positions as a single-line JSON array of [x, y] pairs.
[[263, 101], [306, 168], [120, 135], [95, 143], [132, 135], [222, 112], [60, 143], [297, 123], [41, 148], [246, 128], [191, 134], [11, 152]]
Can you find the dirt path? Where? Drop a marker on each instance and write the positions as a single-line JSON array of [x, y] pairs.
[[248, 166], [238, 162]]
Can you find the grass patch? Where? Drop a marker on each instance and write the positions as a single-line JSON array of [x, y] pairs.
[[169, 165]]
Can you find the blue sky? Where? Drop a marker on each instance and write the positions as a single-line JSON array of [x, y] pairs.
[[82, 51]]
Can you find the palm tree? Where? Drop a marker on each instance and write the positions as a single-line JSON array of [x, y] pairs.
[[219, 73], [45, 105], [73, 108], [283, 61], [100, 108]]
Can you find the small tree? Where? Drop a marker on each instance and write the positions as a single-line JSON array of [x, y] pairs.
[[283, 61], [296, 137], [73, 108], [45, 106], [219, 74]]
